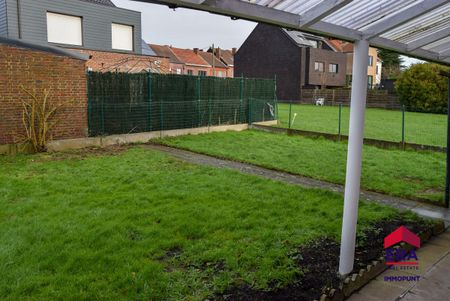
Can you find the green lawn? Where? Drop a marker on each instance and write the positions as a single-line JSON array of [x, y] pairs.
[[420, 128], [140, 225], [407, 174]]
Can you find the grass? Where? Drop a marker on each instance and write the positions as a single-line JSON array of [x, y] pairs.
[[406, 174], [140, 225], [420, 128]]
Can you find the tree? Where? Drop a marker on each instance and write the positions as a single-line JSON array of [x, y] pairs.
[[421, 88], [392, 63]]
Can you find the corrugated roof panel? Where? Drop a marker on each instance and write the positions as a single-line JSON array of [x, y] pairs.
[[361, 14], [422, 26]]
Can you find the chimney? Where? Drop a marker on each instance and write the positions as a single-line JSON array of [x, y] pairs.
[[233, 50], [196, 50]]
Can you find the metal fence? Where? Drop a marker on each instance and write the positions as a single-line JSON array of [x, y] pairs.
[[400, 126], [121, 103]]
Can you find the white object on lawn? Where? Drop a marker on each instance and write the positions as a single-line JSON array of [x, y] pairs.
[[320, 101], [293, 118]]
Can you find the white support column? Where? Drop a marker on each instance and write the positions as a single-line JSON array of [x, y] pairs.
[[354, 155]]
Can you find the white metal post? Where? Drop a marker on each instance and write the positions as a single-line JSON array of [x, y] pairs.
[[354, 155]]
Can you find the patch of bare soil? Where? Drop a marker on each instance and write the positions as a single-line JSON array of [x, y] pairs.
[[80, 154], [318, 263]]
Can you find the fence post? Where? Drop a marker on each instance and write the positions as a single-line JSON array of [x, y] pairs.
[[209, 113], [103, 115], [149, 97], [198, 100], [89, 92], [161, 117], [290, 113], [340, 120], [241, 97], [249, 111], [403, 126], [275, 103]]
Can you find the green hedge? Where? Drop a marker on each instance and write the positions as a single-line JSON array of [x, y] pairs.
[[422, 89]]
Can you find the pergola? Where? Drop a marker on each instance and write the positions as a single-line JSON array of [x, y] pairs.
[[417, 28]]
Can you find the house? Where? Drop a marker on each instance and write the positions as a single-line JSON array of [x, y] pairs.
[[193, 63], [217, 68], [110, 35], [297, 60], [176, 66], [226, 56], [374, 63]]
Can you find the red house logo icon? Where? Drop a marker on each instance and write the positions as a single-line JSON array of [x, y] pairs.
[[401, 256], [402, 234]]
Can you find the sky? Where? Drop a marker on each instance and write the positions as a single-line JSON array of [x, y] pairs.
[[186, 28]]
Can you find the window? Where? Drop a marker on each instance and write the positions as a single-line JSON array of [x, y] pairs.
[[333, 68], [220, 74], [377, 70], [122, 37], [178, 71], [64, 29], [190, 72], [202, 73], [314, 44], [370, 81], [348, 80], [370, 60], [318, 66]]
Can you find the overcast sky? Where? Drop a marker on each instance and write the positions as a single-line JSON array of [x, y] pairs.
[[187, 28]]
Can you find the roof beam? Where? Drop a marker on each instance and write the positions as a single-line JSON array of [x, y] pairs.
[[402, 48], [321, 10], [436, 36], [402, 17], [239, 9], [445, 54]]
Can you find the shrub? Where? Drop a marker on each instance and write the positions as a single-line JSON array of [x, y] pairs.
[[422, 89], [38, 118]]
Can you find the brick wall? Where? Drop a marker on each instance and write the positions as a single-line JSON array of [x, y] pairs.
[[36, 70], [103, 61]]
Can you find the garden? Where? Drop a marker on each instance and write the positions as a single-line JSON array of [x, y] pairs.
[[409, 174], [129, 222], [380, 124]]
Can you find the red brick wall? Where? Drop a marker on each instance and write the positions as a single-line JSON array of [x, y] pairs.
[[36, 70], [103, 61]]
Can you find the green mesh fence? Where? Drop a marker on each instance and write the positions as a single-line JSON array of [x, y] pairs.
[[121, 103]]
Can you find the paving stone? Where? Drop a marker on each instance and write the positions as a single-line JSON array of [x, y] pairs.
[[377, 290]]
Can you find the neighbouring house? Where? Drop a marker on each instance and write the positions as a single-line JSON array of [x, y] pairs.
[[176, 66], [193, 63], [110, 35], [374, 63], [297, 60], [217, 68], [227, 57]]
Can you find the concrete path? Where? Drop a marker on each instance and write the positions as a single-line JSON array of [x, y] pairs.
[[433, 284], [422, 209]]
